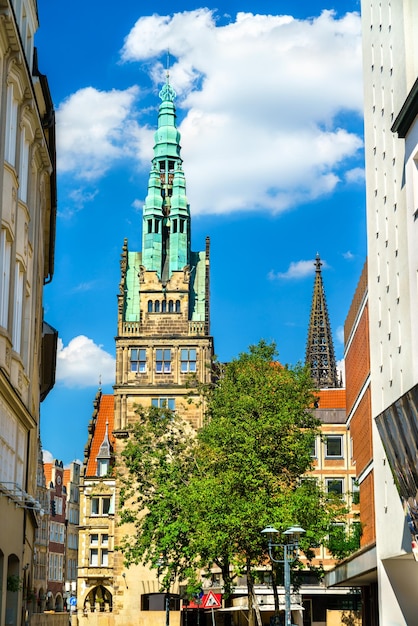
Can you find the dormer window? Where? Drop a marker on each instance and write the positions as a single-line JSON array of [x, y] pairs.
[[103, 466], [104, 456]]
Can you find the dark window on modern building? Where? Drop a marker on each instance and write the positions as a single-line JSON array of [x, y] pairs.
[[157, 602]]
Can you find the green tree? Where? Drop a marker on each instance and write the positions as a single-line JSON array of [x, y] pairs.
[[196, 501]]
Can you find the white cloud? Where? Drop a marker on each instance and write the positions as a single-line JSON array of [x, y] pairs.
[[356, 175], [296, 270], [84, 364], [348, 256], [47, 456], [341, 370], [261, 94], [92, 130], [340, 334]]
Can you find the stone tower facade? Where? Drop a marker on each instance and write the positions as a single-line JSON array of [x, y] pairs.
[[163, 303]]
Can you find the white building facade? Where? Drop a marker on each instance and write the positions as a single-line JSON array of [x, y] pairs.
[[390, 58]]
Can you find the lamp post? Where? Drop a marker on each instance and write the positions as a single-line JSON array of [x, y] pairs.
[[290, 552]]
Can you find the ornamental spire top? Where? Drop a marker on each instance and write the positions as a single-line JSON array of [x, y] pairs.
[[319, 348]]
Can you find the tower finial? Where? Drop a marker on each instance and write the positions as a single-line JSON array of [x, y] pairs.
[[167, 93]]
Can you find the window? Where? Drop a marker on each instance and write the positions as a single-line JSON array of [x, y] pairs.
[[157, 602], [335, 485], [11, 126], [18, 309], [24, 166], [55, 566], [157, 306], [103, 467], [171, 306], [99, 553], [101, 505], [334, 447], [5, 255], [58, 505], [149, 306], [12, 446], [187, 360], [355, 491], [163, 361], [313, 449], [178, 306], [139, 360], [164, 403]]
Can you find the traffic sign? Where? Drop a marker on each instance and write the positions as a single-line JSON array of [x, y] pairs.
[[212, 601]]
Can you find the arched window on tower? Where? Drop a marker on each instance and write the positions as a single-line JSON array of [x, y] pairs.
[[149, 306], [171, 306], [177, 306], [157, 306], [164, 306]]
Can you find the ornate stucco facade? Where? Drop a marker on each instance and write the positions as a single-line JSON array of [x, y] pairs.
[[27, 343]]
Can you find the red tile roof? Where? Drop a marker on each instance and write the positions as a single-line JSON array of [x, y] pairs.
[[331, 398], [66, 477], [48, 473], [105, 414]]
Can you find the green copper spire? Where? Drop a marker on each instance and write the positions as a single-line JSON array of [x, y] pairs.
[[166, 216]]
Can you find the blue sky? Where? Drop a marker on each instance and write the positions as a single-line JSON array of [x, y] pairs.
[[269, 104]]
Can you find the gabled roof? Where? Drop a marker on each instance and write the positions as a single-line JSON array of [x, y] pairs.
[[105, 415]]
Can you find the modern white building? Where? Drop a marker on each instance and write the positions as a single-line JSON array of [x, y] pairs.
[[390, 59]]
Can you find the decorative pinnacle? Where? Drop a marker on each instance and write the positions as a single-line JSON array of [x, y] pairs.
[[167, 93]]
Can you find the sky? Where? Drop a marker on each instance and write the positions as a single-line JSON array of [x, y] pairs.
[[269, 106]]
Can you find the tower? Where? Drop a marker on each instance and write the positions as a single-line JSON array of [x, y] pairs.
[[163, 303], [162, 340], [320, 348]]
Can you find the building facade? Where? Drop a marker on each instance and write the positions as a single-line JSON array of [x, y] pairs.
[[163, 340], [390, 62], [382, 416], [27, 343]]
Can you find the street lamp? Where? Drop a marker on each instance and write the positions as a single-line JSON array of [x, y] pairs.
[[290, 553]]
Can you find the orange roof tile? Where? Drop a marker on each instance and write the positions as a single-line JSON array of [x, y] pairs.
[[105, 414], [331, 398], [48, 473], [66, 477]]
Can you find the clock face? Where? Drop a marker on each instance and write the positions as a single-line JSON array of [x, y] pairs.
[[58, 480]]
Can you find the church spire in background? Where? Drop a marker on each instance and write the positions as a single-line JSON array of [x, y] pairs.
[[320, 349]]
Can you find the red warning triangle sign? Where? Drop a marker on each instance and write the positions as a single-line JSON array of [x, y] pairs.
[[212, 601]]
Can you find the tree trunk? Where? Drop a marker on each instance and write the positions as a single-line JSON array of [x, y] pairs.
[[275, 592], [252, 600]]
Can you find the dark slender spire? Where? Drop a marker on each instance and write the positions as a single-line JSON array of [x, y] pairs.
[[319, 348]]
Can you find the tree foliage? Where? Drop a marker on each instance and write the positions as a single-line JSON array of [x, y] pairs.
[[201, 500]]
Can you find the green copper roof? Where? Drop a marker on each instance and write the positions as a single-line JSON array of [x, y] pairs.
[[166, 217]]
